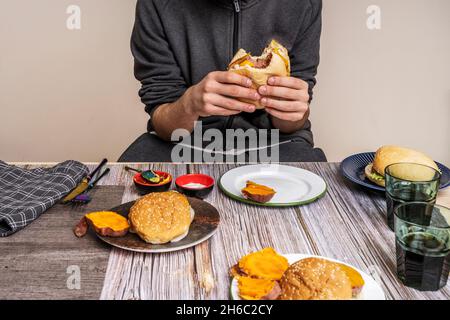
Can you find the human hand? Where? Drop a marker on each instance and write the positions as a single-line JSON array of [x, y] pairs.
[[218, 93], [285, 98]]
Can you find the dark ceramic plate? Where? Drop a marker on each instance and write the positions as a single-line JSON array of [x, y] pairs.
[[205, 224], [353, 169]]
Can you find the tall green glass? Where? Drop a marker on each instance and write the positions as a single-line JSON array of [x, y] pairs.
[[408, 182], [422, 233]]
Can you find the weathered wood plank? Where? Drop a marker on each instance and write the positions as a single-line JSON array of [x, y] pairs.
[[148, 276], [34, 261], [246, 228]]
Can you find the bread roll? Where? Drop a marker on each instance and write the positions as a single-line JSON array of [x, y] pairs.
[[161, 217], [387, 155], [315, 279]]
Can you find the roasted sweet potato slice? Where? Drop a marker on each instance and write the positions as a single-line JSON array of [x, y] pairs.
[[258, 289], [81, 228], [105, 223], [264, 264], [258, 192], [258, 274]]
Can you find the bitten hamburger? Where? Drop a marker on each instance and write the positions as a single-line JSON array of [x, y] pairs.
[[387, 155], [274, 61], [161, 217]]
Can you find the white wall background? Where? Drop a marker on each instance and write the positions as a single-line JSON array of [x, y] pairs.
[[71, 94]]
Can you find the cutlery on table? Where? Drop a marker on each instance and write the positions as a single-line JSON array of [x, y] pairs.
[[84, 197], [84, 184]]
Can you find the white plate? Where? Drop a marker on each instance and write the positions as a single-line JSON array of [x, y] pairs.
[[370, 291], [294, 186]]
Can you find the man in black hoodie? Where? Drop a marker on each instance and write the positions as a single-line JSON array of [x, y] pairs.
[[181, 49]]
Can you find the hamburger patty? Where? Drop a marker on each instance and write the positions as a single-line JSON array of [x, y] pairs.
[[261, 63]]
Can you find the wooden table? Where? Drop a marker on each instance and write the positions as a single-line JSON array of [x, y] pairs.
[[348, 224]]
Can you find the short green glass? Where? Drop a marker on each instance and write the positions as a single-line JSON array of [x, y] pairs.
[[409, 182], [422, 234]]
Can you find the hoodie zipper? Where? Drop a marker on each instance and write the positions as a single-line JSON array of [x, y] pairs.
[[237, 13]]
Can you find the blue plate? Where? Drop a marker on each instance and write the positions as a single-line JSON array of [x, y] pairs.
[[353, 169]]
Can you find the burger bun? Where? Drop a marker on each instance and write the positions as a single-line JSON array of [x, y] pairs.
[[387, 155], [275, 60], [315, 279]]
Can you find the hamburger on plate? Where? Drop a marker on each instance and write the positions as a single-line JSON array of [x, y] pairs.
[[315, 279], [387, 155], [161, 217], [267, 275]]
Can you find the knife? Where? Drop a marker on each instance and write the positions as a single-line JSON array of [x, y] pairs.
[[84, 184], [84, 197]]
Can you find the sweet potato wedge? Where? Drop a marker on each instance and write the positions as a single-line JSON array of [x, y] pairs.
[[258, 192], [105, 223], [258, 289], [81, 228]]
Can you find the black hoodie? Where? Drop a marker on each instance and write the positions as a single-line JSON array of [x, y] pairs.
[[176, 43]]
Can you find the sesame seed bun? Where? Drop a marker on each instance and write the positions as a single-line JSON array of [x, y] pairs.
[[278, 64], [315, 279], [161, 217]]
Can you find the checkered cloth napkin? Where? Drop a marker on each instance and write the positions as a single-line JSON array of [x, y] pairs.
[[25, 194]]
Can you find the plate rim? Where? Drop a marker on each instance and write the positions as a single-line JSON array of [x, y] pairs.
[[358, 182], [371, 185], [268, 204], [305, 256], [184, 247], [192, 244]]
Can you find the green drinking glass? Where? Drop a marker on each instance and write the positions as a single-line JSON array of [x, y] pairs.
[[422, 237], [409, 182]]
